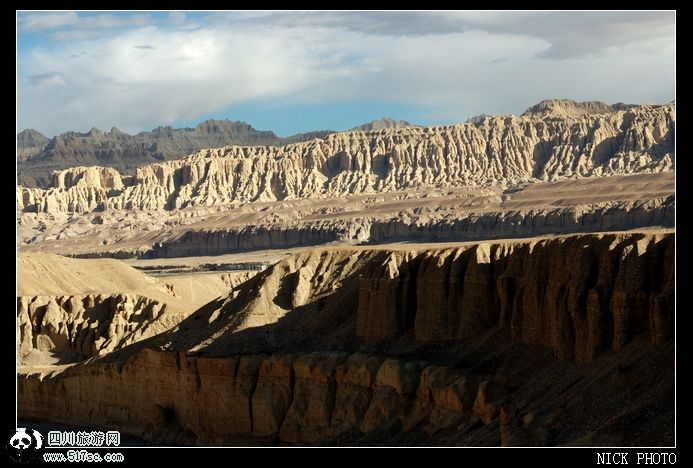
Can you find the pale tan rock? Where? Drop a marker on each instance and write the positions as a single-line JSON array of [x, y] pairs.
[[496, 149], [73, 309], [459, 214], [564, 107]]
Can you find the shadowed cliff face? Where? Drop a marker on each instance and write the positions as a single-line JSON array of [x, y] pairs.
[[557, 341], [579, 295], [451, 228], [494, 150]]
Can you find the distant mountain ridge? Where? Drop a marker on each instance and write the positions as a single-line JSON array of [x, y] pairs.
[[498, 150], [38, 156]]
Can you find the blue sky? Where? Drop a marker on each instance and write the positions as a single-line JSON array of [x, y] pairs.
[[302, 71]]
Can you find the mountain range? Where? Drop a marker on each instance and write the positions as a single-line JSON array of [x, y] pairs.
[[38, 156]]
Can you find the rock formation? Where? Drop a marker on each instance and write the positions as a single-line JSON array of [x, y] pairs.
[[558, 293], [70, 309], [458, 331], [381, 124], [563, 107], [501, 177], [580, 205], [490, 225], [38, 156], [497, 150], [79, 326], [319, 349]]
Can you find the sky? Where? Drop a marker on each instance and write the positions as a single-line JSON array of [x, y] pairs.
[[293, 72]]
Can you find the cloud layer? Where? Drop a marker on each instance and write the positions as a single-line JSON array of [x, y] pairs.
[[138, 71]]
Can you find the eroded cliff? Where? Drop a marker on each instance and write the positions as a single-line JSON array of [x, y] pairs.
[[444, 227], [494, 150], [72, 328], [319, 349], [526, 210], [68, 309]]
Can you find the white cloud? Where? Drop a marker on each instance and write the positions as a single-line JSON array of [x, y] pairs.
[[140, 77], [75, 34], [43, 21], [32, 22], [571, 34]]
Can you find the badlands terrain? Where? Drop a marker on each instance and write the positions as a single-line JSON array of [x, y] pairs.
[[38, 156], [506, 281]]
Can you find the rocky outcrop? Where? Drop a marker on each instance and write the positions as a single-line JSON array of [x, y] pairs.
[[336, 398], [563, 107], [68, 309], [295, 399], [579, 296], [221, 241], [600, 204], [77, 327], [381, 124], [75, 190], [497, 150], [104, 178], [615, 216]]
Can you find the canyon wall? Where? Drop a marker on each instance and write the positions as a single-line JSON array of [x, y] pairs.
[[579, 296], [492, 151], [604, 217], [353, 398], [297, 398], [316, 349]]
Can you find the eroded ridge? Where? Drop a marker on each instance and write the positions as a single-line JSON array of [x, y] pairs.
[[541, 342]]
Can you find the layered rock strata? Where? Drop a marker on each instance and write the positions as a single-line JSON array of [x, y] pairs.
[[604, 217], [492, 151], [38, 156], [317, 349]]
